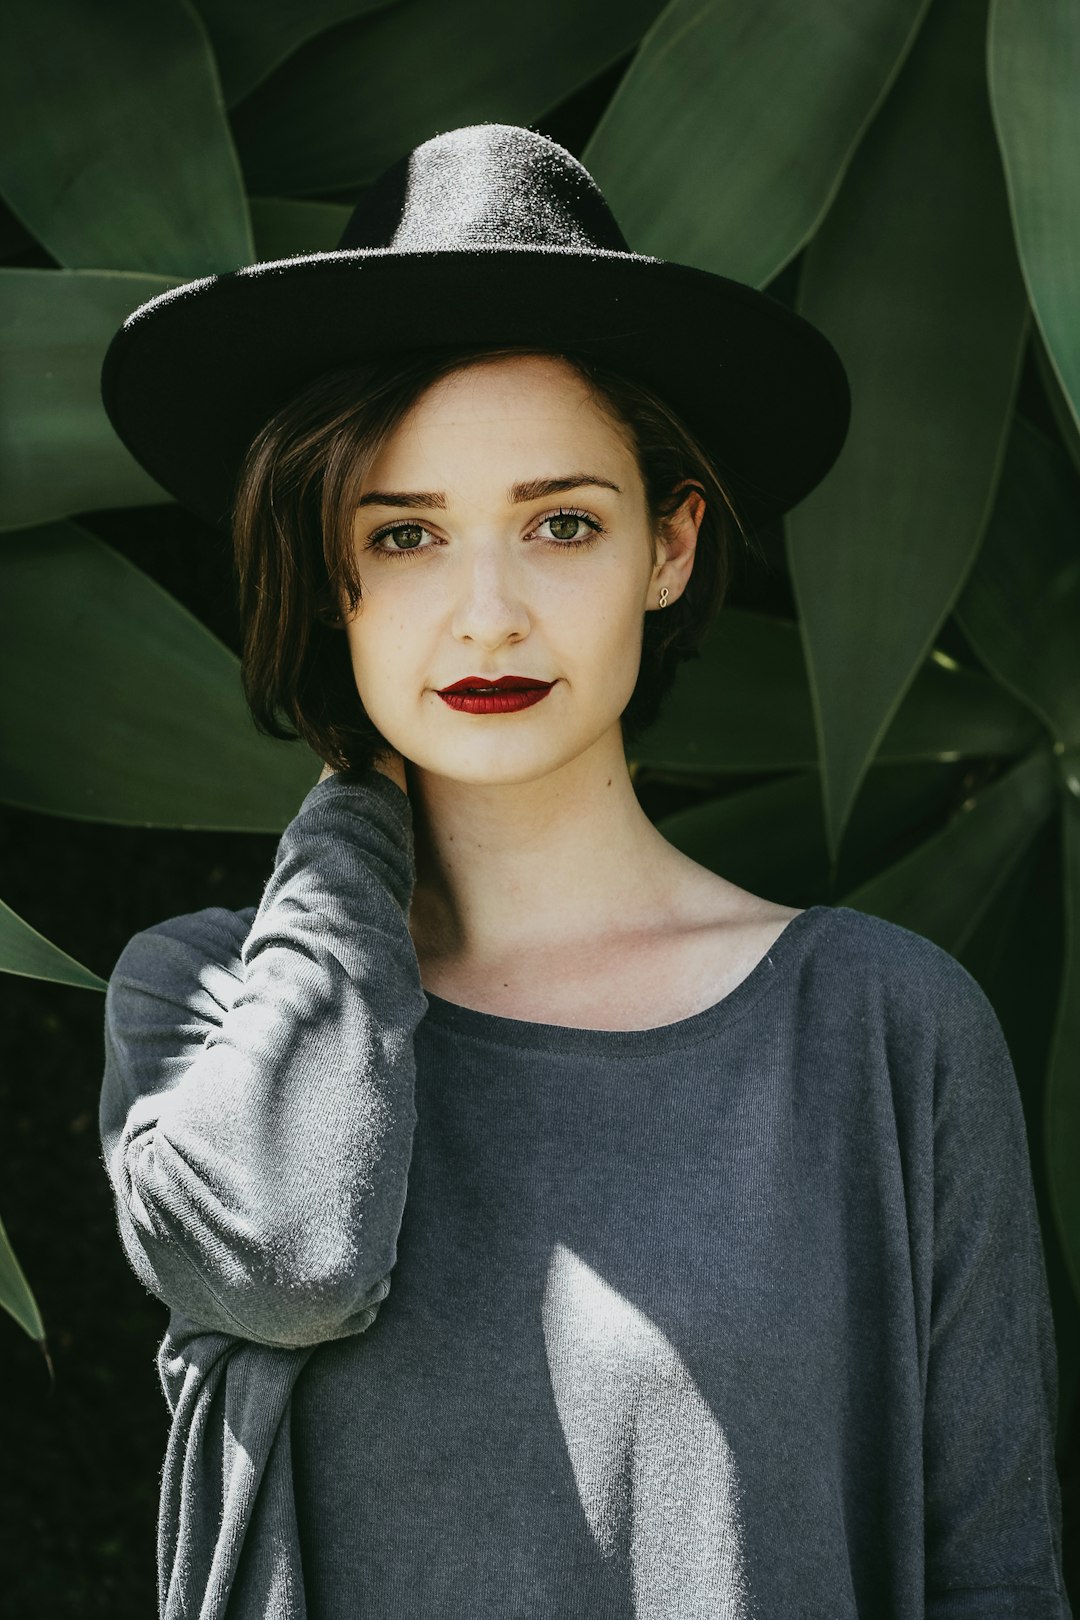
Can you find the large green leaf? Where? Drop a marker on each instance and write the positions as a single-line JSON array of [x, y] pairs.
[[943, 888], [1060, 409], [120, 706], [770, 838], [58, 451], [24, 950], [251, 37], [914, 277], [284, 226], [15, 1295], [1020, 608], [1062, 1119], [744, 705], [114, 147], [354, 101], [1034, 71], [690, 152]]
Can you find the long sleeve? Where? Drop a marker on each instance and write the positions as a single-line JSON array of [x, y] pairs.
[[993, 1510], [258, 1102]]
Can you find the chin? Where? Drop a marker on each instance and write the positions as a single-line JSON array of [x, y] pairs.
[[481, 773], [506, 761]]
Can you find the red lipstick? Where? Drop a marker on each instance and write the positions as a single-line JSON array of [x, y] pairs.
[[495, 694]]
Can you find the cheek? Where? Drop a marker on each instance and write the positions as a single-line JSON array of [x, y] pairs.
[[379, 651], [363, 657], [605, 659], [610, 622]]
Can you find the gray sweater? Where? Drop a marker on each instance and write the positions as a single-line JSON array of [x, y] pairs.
[[471, 1318]]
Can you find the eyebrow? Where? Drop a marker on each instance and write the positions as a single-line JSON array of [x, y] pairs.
[[534, 489]]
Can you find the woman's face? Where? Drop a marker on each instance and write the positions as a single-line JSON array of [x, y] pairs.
[[472, 577]]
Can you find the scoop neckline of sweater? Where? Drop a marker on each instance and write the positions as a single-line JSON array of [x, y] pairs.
[[496, 1029]]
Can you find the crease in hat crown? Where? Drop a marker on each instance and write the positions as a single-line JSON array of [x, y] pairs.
[[480, 188]]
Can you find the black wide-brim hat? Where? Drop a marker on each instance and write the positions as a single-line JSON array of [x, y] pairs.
[[488, 234]]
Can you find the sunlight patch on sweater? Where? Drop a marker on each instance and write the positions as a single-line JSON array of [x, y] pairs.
[[654, 1470]]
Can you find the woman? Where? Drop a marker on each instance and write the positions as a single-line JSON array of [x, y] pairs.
[[548, 1225]]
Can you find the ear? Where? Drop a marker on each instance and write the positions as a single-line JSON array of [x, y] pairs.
[[676, 544]]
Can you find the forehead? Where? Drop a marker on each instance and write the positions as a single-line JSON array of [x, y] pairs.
[[498, 409]]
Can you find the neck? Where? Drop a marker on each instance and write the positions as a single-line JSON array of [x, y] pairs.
[[531, 866]]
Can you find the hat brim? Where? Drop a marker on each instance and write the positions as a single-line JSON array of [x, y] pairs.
[[192, 376]]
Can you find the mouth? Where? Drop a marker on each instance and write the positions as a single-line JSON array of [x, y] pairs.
[[500, 683], [505, 695]]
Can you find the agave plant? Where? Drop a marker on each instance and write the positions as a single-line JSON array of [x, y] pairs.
[[903, 734]]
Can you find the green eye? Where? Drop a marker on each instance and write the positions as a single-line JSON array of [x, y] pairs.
[[415, 530], [568, 521]]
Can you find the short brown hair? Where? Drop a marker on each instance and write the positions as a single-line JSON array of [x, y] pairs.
[[294, 559]]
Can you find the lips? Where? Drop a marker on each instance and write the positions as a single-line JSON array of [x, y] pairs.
[[498, 683]]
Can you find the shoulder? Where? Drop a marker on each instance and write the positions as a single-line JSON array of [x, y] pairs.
[[914, 985], [933, 1027], [849, 952], [888, 953]]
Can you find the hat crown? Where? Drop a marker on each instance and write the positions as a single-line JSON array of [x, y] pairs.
[[486, 185]]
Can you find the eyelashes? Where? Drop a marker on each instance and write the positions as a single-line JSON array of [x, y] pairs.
[[594, 524]]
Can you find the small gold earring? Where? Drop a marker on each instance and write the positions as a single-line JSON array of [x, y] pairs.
[[663, 596]]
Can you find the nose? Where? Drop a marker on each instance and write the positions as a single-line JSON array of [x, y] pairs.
[[488, 609]]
